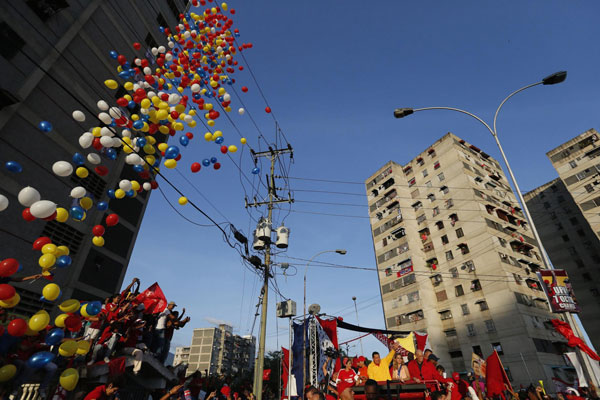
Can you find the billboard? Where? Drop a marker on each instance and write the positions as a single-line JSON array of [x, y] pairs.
[[557, 286]]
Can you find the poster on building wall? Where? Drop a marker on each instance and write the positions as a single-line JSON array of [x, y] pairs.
[[557, 286]]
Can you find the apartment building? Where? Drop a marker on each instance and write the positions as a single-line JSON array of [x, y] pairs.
[[457, 259], [72, 40], [219, 351], [181, 356]]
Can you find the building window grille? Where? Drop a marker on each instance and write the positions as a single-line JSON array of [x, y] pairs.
[[441, 176], [450, 333], [459, 291], [475, 285], [425, 173], [46, 8], [489, 326], [454, 272], [449, 203], [445, 315], [62, 234], [10, 42], [483, 306], [449, 255], [436, 211], [412, 182], [465, 309], [93, 184], [471, 330]]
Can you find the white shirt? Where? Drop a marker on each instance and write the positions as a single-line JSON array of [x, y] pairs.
[[162, 319]]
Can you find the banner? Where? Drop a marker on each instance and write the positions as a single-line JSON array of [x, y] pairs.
[[153, 298], [325, 343], [564, 329], [422, 340], [557, 286], [330, 328], [407, 344], [298, 352], [495, 376], [478, 365], [581, 382]]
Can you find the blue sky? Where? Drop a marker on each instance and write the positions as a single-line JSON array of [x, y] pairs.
[[333, 71]]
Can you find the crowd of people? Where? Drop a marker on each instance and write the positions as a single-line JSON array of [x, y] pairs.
[[123, 327]]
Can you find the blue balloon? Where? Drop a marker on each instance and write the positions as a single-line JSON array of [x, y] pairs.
[[110, 193], [138, 168], [219, 140], [213, 160], [138, 124], [131, 105], [39, 359], [113, 54], [172, 152], [102, 205], [124, 74], [55, 336], [78, 159], [206, 162], [63, 261], [184, 140], [77, 213], [141, 142], [130, 193], [45, 126], [256, 170], [93, 308], [13, 166], [111, 153]]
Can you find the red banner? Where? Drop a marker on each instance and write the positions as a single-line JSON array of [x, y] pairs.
[[266, 374], [285, 372], [330, 328], [153, 298]]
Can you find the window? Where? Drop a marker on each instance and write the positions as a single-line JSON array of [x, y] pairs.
[[580, 232], [174, 9], [454, 272], [440, 225], [160, 19], [450, 333], [508, 374], [428, 247], [449, 255], [502, 242], [475, 285], [420, 161], [565, 238], [498, 347], [445, 239], [469, 266], [449, 203], [10, 41], [412, 182], [421, 219], [412, 297], [477, 350], [489, 326], [465, 309], [417, 205], [446, 314], [589, 188], [504, 258], [471, 330], [150, 41], [458, 291], [436, 165], [517, 278], [464, 249], [46, 8], [441, 176], [460, 233], [483, 306], [431, 197], [425, 173], [573, 164], [428, 184], [455, 354], [453, 219], [441, 296], [574, 221], [444, 189]]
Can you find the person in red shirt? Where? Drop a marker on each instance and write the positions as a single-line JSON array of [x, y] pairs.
[[102, 392], [363, 370], [423, 370], [460, 390], [346, 378]]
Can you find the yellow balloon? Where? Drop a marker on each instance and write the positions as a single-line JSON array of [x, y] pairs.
[[51, 291], [47, 260], [208, 136], [180, 108], [135, 185], [162, 114], [150, 160], [208, 106], [62, 215], [83, 311], [163, 146], [151, 139], [68, 348], [83, 346], [192, 124], [7, 372], [119, 193], [182, 201], [163, 129], [149, 149], [210, 122], [232, 148], [82, 172], [170, 163], [86, 203], [69, 306], [59, 321], [10, 303], [98, 241], [128, 85], [111, 84], [228, 108], [97, 131], [145, 103], [49, 248], [39, 321], [68, 379], [61, 251], [243, 140], [224, 6], [218, 134]]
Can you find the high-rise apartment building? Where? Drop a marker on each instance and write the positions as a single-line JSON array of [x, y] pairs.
[[457, 260], [219, 351], [182, 356], [567, 218], [72, 40]]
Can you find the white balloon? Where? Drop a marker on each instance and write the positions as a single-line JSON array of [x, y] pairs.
[[154, 51], [125, 185], [105, 118], [195, 88], [106, 141], [162, 49], [78, 116], [78, 192], [27, 196], [171, 45], [146, 186], [105, 131], [94, 158], [138, 62], [116, 142], [42, 209], [133, 159], [62, 168], [150, 94], [102, 105], [241, 111], [126, 133], [188, 119], [86, 140], [169, 56], [174, 98], [4, 200], [147, 71], [115, 112], [226, 97]]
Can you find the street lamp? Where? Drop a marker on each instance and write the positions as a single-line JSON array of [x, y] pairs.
[[552, 79], [338, 251]]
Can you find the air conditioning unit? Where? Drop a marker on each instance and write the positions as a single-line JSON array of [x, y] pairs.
[[286, 309]]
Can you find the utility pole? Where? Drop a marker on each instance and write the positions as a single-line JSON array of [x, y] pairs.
[[362, 350], [273, 155]]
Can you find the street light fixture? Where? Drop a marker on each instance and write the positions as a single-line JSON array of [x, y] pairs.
[[337, 251]]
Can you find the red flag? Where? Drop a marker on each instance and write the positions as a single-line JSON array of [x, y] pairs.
[[153, 298], [266, 374], [421, 340], [330, 328], [495, 376], [286, 368], [564, 329]]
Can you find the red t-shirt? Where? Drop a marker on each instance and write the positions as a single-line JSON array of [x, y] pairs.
[[99, 393], [345, 380]]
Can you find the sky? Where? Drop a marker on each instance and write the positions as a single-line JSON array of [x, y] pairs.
[[333, 72]]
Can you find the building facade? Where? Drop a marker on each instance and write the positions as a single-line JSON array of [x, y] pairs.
[[456, 259], [182, 356], [72, 40], [563, 212], [219, 351]]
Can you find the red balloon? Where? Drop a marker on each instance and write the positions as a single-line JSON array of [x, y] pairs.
[[101, 170], [6, 291], [244, 89], [121, 59], [50, 218], [189, 135], [268, 110], [27, 215], [154, 184], [223, 149], [17, 327], [217, 165], [112, 220], [98, 230], [137, 46], [178, 157], [195, 167], [73, 323], [40, 242], [122, 101], [96, 143], [8, 267]]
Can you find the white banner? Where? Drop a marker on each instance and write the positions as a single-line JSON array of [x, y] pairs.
[[572, 356]]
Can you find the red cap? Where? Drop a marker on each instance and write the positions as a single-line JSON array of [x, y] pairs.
[[361, 358], [455, 376], [225, 391]]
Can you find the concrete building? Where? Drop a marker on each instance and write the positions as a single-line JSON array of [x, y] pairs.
[[72, 40], [219, 351], [563, 212], [182, 356], [456, 259]]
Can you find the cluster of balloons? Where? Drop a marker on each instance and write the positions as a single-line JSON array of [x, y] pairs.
[[52, 256]]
